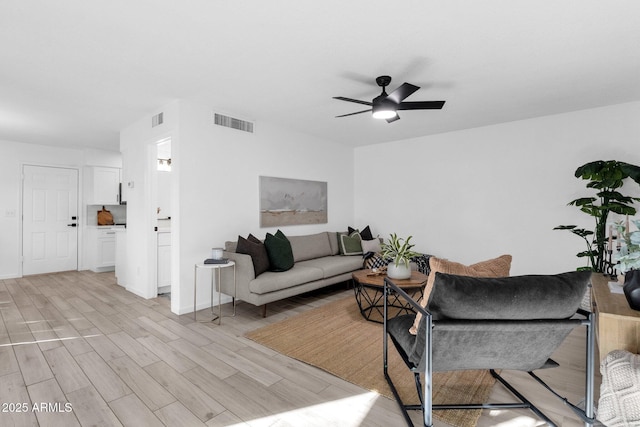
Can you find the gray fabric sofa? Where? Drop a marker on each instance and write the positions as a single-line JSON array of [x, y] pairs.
[[317, 263]]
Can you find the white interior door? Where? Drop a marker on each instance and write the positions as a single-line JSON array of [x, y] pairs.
[[50, 219]]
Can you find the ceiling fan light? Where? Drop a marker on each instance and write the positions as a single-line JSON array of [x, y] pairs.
[[383, 111], [384, 114]]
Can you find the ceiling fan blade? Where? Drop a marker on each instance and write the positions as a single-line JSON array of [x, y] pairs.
[[357, 112], [402, 92], [393, 119], [421, 105], [342, 98]]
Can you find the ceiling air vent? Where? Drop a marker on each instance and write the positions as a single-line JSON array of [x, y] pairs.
[[157, 120], [233, 123]]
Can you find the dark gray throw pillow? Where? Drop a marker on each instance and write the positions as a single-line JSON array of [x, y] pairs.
[[254, 247], [279, 251]]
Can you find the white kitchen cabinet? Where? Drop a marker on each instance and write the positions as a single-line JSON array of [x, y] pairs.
[[164, 262], [102, 249], [121, 256], [103, 185]]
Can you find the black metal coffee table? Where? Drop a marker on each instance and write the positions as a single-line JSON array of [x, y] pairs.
[[369, 293]]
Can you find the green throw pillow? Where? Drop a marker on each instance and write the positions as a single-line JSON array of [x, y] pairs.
[[279, 251], [350, 244]]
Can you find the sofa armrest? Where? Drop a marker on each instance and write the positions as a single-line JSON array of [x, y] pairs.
[[244, 274]]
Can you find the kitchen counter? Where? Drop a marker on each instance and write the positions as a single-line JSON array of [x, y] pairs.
[[107, 227]]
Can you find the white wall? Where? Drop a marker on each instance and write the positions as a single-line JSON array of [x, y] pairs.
[[215, 196], [139, 152], [218, 171], [478, 193], [13, 156]]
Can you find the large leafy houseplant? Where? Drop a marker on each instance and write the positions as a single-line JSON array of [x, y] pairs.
[[605, 177]]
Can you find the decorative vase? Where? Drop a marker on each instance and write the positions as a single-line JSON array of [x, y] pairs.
[[401, 271], [631, 288]]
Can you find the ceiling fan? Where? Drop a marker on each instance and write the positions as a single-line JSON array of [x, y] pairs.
[[386, 106]]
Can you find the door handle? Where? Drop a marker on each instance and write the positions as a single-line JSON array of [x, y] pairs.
[[72, 225]]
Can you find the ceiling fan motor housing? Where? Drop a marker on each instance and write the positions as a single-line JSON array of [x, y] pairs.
[[383, 81], [382, 102]]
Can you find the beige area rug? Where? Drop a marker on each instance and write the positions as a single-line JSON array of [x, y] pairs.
[[337, 339]]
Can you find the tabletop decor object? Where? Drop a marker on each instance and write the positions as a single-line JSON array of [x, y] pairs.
[[400, 251]]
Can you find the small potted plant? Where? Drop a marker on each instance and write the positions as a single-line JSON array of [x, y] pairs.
[[399, 250], [629, 263]]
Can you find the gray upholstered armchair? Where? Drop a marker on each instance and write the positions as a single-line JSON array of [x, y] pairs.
[[487, 323]]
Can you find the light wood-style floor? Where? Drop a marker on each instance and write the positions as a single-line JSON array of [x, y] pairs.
[[77, 349]]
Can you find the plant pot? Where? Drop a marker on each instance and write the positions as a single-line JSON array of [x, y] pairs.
[[631, 288], [401, 271]]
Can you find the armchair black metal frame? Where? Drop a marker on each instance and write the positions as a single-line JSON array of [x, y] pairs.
[[440, 326]]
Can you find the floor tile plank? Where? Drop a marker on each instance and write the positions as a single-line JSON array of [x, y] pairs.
[[201, 404], [136, 351], [168, 354], [176, 414], [156, 329], [203, 358], [32, 363], [46, 393], [91, 409], [133, 412], [104, 379], [66, 370], [141, 383], [185, 333], [14, 392], [102, 345]]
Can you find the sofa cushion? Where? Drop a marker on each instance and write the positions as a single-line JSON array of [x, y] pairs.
[[350, 244], [496, 267], [333, 242], [334, 265], [254, 247], [230, 246], [310, 246], [274, 281], [279, 251]]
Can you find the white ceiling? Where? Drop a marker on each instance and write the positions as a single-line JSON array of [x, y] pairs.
[[75, 72]]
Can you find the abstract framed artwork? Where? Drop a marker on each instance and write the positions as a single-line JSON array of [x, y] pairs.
[[285, 201]]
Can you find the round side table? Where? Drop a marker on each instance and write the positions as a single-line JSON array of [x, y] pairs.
[[215, 268]]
